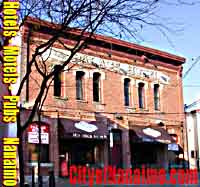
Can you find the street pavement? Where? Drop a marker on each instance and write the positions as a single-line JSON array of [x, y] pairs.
[[65, 183]]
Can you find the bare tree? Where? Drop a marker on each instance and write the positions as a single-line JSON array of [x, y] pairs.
[[119, 18]]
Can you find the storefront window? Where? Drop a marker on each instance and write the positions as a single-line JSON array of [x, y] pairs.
[[33, 151]]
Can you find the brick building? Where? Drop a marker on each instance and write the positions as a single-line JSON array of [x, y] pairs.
[[116, 103]]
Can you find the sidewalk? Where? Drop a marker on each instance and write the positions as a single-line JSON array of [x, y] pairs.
[[60, 182]]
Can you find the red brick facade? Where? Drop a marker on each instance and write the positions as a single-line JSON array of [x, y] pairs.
[[111, 102]]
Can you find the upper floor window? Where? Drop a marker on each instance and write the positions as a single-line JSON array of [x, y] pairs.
[[156, 97], [126, 92], [57, 81], [141, 95], [96, 86], [79, 85]]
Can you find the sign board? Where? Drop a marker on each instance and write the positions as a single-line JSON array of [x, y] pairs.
[[111, 139], [173, 147], [151, 132], [89, 136], [84, 126], [33, 134], [127, 69]]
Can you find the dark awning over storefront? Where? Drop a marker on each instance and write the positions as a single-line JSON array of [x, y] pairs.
[[82, 129], [150, 134]]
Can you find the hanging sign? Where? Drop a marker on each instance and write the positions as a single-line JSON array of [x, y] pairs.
[[111, 139], [82, 125], [33, 134], [151, 132], [173, 147]]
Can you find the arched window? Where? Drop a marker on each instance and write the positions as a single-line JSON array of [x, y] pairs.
[[96, 86], [57, 81], [126, 92], [156, 97], [79, 85], [141, 95]]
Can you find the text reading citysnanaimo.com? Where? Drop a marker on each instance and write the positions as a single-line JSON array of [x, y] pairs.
[[112, 175]]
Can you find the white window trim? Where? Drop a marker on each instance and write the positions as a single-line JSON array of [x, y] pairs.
[[145, 92], [102, 77], [86, 75], [160, 93], [132, 82]]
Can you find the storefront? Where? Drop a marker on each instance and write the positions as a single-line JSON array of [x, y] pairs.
[[149, 147], [82, 143]]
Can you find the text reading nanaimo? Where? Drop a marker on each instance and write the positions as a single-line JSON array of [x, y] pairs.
[[10, 161]]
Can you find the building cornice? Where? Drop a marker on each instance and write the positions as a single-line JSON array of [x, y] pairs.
[[151, 53]]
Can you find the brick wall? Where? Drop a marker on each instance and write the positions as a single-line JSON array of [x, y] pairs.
[[112, 95]]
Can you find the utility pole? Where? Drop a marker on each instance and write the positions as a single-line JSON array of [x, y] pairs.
[[39, 152], [183, 139]]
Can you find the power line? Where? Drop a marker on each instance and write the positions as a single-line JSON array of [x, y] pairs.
[[191, 67]]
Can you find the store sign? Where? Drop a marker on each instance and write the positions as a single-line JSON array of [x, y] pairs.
[[111, 65], [151, 132], [89, 136], [173, 147], [111, 139], [82, 125], [33, 134]]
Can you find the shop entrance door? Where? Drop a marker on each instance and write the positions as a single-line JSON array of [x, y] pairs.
[[116, 150]]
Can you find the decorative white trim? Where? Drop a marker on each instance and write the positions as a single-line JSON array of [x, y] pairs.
[[124, 68]]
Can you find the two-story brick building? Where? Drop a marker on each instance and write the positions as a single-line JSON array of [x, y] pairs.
[[116, 103]]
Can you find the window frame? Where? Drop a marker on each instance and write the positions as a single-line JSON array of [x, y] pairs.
[[127, 83], [156, 96], [79, 85], [141, 95], [96, 86], [57, 82]]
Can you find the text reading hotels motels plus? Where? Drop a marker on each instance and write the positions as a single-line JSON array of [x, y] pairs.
[[10, 54], [10, 76]]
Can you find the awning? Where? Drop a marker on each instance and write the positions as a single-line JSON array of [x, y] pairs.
[[150, 134], [82, 129]]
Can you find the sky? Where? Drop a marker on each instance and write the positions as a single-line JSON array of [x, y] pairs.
[[185, 43]]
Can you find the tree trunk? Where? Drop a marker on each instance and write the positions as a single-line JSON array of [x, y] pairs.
[[20, 151]]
